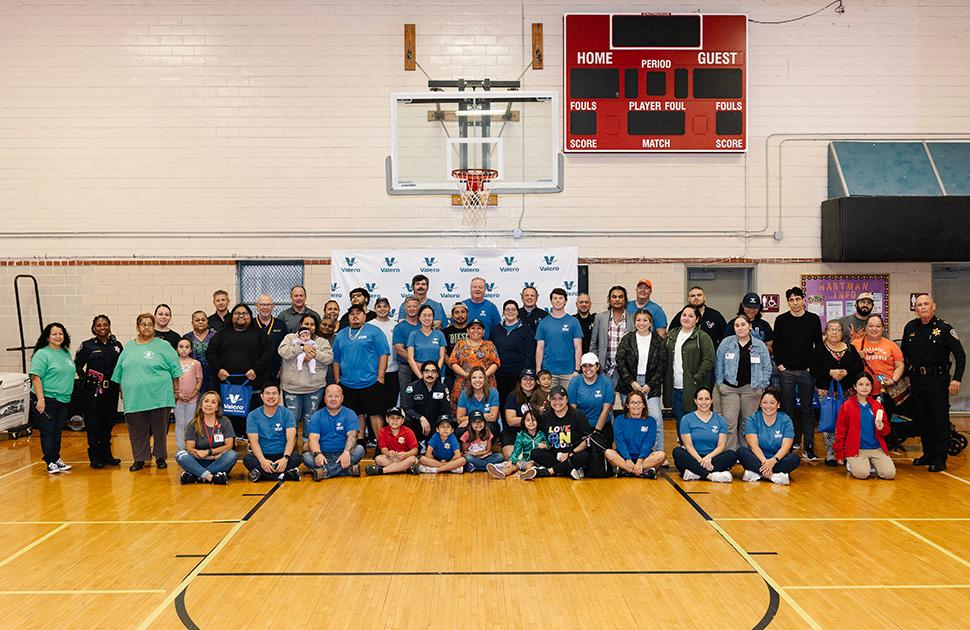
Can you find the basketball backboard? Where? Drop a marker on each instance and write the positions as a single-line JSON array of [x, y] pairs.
[[515, 133]]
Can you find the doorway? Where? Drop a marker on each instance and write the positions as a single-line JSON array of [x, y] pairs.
[[953, 304], [723, 286]]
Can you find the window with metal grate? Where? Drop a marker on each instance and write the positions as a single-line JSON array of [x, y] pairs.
[[274, 278]]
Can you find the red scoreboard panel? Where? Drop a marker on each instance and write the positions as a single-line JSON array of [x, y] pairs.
[[646, 83]]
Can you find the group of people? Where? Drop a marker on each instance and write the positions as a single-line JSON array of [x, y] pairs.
[[518, 391]]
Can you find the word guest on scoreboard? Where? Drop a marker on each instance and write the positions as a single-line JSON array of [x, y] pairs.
[[641, 83]]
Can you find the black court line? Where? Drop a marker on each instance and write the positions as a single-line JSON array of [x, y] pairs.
[[258, 494], [697, 492], [234, 521], [190, 555], [463, 573], [774, 599], [762, 553], [259, 504]]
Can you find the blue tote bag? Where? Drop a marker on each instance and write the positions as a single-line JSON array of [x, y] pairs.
[[236, 397], [829, 408]]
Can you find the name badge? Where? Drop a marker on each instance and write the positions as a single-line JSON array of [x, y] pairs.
[[218, 438], [729, 356], [644, 430], [755, 360], [438, 395]]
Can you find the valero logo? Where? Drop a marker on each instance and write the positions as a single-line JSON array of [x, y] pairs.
[[570, 285], [350, 265], [409, 287], [469, 266], [429, 266], [528, 285], [370, 286], [509, 266], [449, 291], [390, 265], [550, 264], [490, 291]]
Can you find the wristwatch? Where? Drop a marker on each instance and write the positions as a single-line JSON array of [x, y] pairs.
[[315, 453]]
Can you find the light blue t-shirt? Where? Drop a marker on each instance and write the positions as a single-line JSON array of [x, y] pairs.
[[473, 404], [769, 438], [487, 312], [333, 429], [867, 428], [426, 347], [358, 353], [271, 431], [590, 398], [635, 438], [704, 435], [441, 449], [659, 317], [403, 330], [557, 333], [439, 311]]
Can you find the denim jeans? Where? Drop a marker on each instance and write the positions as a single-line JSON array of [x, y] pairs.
[[802, 381], [196, 467], [677, 404], [333, 467], [302, 406], [51, 426], [183, 415], [481, 462]]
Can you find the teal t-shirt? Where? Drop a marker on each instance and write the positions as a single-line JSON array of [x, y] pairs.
[[55, 368], [769, 437], [704, 435], [145, 372]]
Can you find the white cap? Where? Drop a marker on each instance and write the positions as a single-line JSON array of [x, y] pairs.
[[589, 359]]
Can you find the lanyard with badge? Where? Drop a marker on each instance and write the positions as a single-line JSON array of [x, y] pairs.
[[216, 438]]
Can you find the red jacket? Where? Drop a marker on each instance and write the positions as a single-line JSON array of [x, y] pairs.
[[847, 428]]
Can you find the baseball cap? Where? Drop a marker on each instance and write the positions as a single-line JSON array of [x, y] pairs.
[[865, 296], [645, 281], [394, 411], [443, 418], [476, 415], [382, 300], [476, 321], [527, 372], [355, 307], [557, 390], [751, 300], [589, 359]]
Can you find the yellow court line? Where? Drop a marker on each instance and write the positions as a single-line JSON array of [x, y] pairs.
[[929, 542], [767, 578], [24, 550], [21, 469], [134, 591], [846, 518], [170, 598], [957, 478], [862, 587], [217, 521]]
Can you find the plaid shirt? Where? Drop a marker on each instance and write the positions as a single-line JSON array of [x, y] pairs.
[[614, 332]]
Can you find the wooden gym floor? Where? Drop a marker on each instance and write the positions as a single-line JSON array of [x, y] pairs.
[[112, 549]]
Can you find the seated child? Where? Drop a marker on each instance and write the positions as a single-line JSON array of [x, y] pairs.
[[528, 438], [397, 445], [443, 453]]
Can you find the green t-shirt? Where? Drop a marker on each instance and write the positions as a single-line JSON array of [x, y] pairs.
[[145, 372], [56, 371]]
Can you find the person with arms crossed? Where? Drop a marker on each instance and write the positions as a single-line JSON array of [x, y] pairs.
[[559, 341]]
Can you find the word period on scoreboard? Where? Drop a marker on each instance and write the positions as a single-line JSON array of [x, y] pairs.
[[655, 83]]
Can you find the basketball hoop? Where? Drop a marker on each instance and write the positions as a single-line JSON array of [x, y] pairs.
[[474, 188]]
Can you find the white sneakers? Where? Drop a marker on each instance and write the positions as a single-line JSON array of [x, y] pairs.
[[60, 464], [57, 467], [689, 476], [780, 478], [724, 476], [750, 476]]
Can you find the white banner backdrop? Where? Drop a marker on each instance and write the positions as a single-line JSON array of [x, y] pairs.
[[388, 272]]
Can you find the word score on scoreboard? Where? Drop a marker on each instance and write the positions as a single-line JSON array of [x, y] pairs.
[[654, 83]]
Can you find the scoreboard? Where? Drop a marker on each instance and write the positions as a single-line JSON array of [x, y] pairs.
[[643, 83]]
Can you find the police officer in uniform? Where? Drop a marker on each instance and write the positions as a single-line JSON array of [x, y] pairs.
[[95, 363], [425, 400], [928, 342]]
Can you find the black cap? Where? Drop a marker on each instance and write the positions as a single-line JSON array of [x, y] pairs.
[[476, 321], [355, 307], [394, 411], [476, 415], [443, 418], [527, 372], [751, 300], [557, 390]]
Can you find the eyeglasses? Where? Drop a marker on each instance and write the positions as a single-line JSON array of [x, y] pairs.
[[430, 371], [635, 403]]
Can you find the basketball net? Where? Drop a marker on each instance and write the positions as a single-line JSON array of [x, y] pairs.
[[474, 188]]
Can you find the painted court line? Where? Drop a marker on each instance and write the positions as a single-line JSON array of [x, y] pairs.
[[929, 542], [846, 519], [24, 550], [767, 578], [135, 591], [21, 469], [863, 587], [185, 522], [957, 478]]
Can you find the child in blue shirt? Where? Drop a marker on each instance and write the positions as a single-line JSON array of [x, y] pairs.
[[443, 453], [635, 435]]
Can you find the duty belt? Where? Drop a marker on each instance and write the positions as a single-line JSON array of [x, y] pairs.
[[933, 370]]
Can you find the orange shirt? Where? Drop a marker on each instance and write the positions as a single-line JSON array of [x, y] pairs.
[[880, 357]]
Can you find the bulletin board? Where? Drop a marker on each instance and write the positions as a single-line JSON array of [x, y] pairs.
[[833, 296]]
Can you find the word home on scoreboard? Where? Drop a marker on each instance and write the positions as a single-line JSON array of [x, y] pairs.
[[654, 83]]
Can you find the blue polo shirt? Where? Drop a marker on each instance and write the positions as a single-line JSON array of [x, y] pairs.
[[271, 431], [426, 347], [403, 330], [333, 429], [704, 435], [486, 311], [590, 398], [359, 354], [441, 449], [769, 438], [557, 333], [659, 317], [473, 404], [439, 311]]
